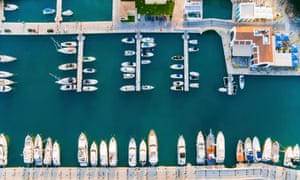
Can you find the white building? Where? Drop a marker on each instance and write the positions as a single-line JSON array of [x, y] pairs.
[[250, 12], [155, 1]]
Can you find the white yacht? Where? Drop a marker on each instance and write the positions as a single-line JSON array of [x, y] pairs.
[[147, 87], [256, 149], [127, 88], [5, 89], [153, 148], [148, 39], [68, 87], [28, 150], [181, 151], [5, 58], [48, 11], [146, 61], [248, 150], [267, 150], [210, 148], [176, 76], [296, 154], [194, 75], [288, 158], [148, 45], [83, 155], [89, 88], [177, 58], [242, 81], [127, 69], [89, 58], [177, 66], [56, 154], [6, 82], [176, 88], [10, 7], [178, 83], [193, 49], [5, 74], [103, 153], [88, 82], [129, 53], [38, 150], [240, 158], [89, 70], [193, 41], [143, 153], [67, 66], [128, 40], [200, 149], [113, 152], [69, 44], [67, 12], [128, 75], [132, 153], [67, 50], [48, 152], [128, 64], [194, 85], [3, 151], [222, 89], [66, 81], [147, 54], [220, 148], [94, 154], [275, 152]]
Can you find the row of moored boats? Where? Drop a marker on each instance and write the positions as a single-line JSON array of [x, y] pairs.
[[230, 86], [5, 83]]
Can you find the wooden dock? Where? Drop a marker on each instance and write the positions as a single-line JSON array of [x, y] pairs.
[[138, 38], [58, 17], [185, 38], [80, 39]]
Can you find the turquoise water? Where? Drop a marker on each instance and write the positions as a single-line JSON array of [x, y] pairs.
[[268, 106]]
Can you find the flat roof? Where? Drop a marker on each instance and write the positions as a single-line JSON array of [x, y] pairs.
[[250, 10]]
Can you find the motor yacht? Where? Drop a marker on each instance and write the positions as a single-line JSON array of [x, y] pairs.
[[67, 50], [147, 87], [177, 58], [128, 40], [193, 49], [296, 154], [181, 151], [257, 154], [275, 152], [148, 39], [89, 58], [200, 149], [68, 87], [148, 45], [94, 154], [143, 153], [147, 54], [222, 89], [89, 82], [83, 155], [48, 11], [3, 151], [89, 70], [56, 154], [177, 66], [242, 81], [67, 66], [6, 82], [28, 150], [69, 44], [240, 152], [5, 89], [193, 41], [67, 12], [176, 76], [194, 85], [48, 153], [267, 150], [10, 7], [127, 69], [89, 88], [127, 88], [220, 148], [128, 75], [66, 81], [129, 53], [288, 158], [5, 58], [210, 148], [113, 152], [153, 148], [38, 150], [103, 154], [5, 74], [194, 75], [248, 150], [132, 153]]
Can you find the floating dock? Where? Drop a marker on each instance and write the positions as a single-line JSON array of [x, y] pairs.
[[80, 39], [185, 38], [138, 38], [58, 18], [250, 172]]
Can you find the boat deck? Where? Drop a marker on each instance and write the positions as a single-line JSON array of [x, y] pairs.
[[80, 39], [138, 62], [185, 38], [58, 17]]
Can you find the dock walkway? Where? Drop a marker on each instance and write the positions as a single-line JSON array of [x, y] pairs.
[[58, 17], [138, 62], [80, 39], [185, 38], [2, 17]]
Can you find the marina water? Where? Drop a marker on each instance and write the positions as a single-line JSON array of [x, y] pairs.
[[268, 106]]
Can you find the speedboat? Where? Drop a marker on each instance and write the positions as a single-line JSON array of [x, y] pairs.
[[83, 155], [153, 148], [210, 148], [128, 40], [94, 154], [296, 154], [128, 64], [177, 66], [113, 152], [87, 82], [146, 61], [48, 152], [176, 88], [177, 58], [5, 58], [220, 148], [89, 59], [256, 149], [128, 75], [194, 85], [10, 7], [48, 11], [275, 152], [128, 88], [148, 45], [147, 54], [193, 49], [176, 76], [3, 150], [132, 153], [68, 87], [288, 158], [194, 75], [240, 152], [28, 150], [200, 149], [147, 87], [178, 83], [5, 89], [67, 50], [103, 153], [127, 69], [148, 39], [143, 153], [242, 81], [6, 82], [248, 150], [38, 150], [67, 12], [267, 150], [66, 81], [56, 154], [193, 41], [222, 89], [181, 151], [68, 44], [129, 53], [89, 88], [67, 66], [5, 74], [89, 70]]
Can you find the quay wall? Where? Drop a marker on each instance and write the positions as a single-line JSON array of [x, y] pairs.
[[257, 172]]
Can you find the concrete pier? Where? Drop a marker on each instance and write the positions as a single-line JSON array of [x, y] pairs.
[[2, 17], [80, 39], [138, 38], [58, 18], [185, 38]]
